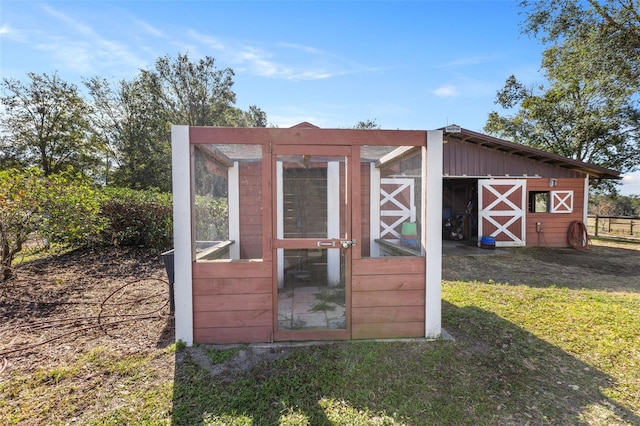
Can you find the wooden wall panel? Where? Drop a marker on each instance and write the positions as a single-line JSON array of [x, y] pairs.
[[232, 335], [384, 282], [387, 330], [388, 298], [229, 268], [232, 302], [361, 299], [391, 265], [554, 225], [387, 314], [231, 286], [226, 319], [250, 175]]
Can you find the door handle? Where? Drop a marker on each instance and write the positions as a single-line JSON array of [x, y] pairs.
[[348, 243], [326, 244]]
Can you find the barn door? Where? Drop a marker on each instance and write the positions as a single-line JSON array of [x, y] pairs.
[[502, 211]]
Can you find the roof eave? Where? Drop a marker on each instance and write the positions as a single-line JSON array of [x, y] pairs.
[[514, 148]]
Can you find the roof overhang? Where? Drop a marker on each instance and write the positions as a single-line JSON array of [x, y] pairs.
[[533, 153]]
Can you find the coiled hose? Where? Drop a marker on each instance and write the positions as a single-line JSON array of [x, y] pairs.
[[577, 236]]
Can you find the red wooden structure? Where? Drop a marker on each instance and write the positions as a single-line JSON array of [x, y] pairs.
[[293, 234]]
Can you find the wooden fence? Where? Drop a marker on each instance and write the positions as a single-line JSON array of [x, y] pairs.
[[627, 226]]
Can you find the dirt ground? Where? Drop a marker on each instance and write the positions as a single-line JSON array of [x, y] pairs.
[[607, 265], [62, 307]]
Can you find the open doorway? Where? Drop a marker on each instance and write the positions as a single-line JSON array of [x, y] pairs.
[[460, 210]]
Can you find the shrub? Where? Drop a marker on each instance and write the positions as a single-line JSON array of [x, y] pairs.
[[138, 218], [62, 208], [211, 217]]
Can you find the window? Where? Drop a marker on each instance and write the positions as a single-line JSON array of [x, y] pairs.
[[539, 202], [223, 228], [392, 194]]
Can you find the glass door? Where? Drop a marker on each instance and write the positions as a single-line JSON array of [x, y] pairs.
[[312, 243]]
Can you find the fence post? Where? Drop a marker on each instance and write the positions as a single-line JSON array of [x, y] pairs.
[[631, 228], [596, 233]]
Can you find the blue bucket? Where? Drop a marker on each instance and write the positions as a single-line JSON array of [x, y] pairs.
[[488, 242]]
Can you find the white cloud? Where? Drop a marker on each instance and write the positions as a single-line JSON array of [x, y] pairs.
[[630, 183], [446, 91], [78, 46]]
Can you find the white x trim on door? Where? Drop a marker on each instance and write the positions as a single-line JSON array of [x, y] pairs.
[[509, 203]]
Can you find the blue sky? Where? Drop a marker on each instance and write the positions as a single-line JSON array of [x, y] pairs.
[[407, 65]]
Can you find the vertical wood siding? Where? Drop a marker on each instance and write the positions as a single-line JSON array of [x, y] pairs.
[[466, 159], [251, 210]]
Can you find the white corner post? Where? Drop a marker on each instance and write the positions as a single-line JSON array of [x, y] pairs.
[[432, 232], [374, 208], [333, 221], [234, 210], [183, 248], [585, 207], [280, 221]]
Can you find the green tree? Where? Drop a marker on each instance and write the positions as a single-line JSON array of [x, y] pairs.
[[367, 125], [131, 122], [45, 124], [610, 27], [133, 117], [60, 207], [589, 108], [199, 94]]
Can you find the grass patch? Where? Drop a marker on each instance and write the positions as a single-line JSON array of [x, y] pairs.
[[99, 387], [523, 355], [219, 356], [564, 349]]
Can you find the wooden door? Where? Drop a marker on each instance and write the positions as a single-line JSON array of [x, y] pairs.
[[312, 243], [502, 211]]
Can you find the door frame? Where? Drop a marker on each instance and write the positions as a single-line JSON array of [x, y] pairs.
[[516, 209], [279, 243]]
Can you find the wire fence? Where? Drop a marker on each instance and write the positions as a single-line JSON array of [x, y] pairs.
[[619, 226]]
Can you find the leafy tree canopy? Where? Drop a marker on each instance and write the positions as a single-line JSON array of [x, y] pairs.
[[45, 124], [589, 110], [133, 118]]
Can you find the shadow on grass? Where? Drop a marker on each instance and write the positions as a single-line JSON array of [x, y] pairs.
[[600, 268], [494, 373]]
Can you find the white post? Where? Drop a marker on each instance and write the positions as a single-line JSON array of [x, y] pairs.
[[585, 207], [333, 221], [374, 210], [233, 190], [432, 231], [182, 236], [280, 222]]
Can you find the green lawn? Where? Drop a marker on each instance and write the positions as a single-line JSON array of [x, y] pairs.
[[522, 355]]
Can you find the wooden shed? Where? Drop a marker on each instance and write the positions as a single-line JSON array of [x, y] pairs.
[[517, 195], [306, 233]]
